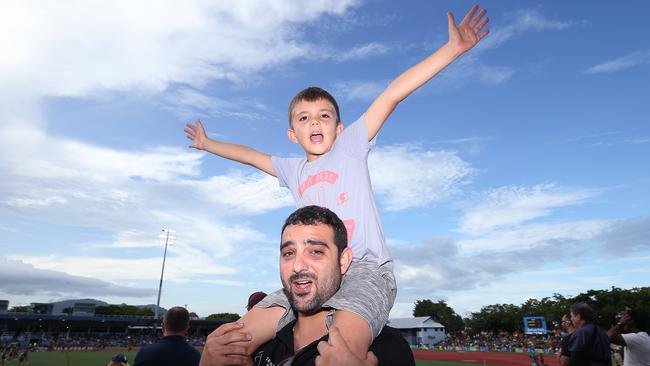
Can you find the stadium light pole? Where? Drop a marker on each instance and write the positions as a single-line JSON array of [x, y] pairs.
[[168, 235]]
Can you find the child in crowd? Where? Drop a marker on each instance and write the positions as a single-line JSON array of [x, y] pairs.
[[334, 174]]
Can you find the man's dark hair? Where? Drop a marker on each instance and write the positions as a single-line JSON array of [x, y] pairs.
[[177, 319], [584, 310], [313, 215], [312, 94], [641, 319]]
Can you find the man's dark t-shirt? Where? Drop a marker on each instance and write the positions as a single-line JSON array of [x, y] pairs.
[[589, 346], [390, 347], [170, 351]]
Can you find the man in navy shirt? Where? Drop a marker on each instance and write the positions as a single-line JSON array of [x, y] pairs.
[[172, 350]]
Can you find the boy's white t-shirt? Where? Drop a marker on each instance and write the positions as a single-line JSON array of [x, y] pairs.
[[340, 181], [637, 349]]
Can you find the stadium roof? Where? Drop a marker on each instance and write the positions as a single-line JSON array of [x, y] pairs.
[[413, 323]]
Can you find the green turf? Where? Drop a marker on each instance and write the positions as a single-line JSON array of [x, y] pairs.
[[102, 358], [72, 358]]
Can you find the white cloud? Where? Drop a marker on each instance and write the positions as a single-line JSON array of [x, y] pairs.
[[532, 235], [512, 205], [470, 68], [621, 63], [524, 21], [182, 264], [82, 47], [359, 90], [363, 51], [244, 193], [408, 176]]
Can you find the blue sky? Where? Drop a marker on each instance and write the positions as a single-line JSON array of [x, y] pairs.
[[520, 171]]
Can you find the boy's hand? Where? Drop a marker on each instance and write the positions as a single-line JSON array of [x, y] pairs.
[[469, 32], [196, 133]]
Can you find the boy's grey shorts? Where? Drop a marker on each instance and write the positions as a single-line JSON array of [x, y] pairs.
[[367, 289]]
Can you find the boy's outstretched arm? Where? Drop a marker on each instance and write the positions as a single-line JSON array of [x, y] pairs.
[[461, 39], [239, 153]]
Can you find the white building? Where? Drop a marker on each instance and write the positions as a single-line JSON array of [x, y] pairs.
[[420, 330]]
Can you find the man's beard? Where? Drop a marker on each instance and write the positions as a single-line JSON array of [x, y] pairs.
[[323, 290]]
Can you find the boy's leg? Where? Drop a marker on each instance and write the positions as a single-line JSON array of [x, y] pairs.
[[262, 324], [265, 319], [355, 330], [362, 304]]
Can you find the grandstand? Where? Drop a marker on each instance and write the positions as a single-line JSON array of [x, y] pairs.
[[48, 326]]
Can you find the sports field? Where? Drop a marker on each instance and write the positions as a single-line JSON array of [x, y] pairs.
[[102, 358], [424, 358]]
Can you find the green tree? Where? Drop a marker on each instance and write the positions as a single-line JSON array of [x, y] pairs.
[[19, 309], [228, 317], [440, 312], [123, 310], [498, 317]]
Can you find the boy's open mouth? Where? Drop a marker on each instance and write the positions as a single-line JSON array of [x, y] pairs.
[[316, 137]]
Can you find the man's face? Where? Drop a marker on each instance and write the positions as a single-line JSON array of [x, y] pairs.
[[566, 323], [310, 268], [576, 319], [314, 127]]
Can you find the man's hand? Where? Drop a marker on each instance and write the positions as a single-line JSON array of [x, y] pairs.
[[196, 133], [336, 352], [469, 32], [224, 346]]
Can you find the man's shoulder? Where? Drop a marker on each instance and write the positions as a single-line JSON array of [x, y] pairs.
[[637, 338]]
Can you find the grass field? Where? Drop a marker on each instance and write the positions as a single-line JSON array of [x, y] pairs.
[[102, 358]]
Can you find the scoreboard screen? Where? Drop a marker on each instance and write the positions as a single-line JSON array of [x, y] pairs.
[[534, 325]]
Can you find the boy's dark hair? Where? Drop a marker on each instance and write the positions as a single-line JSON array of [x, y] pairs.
[[311, 94], [641, 319], [177, 319], [313, 215], [584, 310]]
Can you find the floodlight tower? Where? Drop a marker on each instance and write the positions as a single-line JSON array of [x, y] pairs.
[[168, 236]]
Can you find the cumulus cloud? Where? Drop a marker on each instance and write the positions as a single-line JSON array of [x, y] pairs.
[[409, 176], [120, 45], [512, 205], [131, 194], [621, 63], [20, 278]]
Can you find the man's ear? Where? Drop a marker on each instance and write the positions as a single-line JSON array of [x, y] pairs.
[[345, 260], [291, 134], [339, 127]]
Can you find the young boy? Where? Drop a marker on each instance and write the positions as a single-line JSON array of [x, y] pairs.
[[335, 174]]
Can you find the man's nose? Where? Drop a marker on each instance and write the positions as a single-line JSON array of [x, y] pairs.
[[300, 263]]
